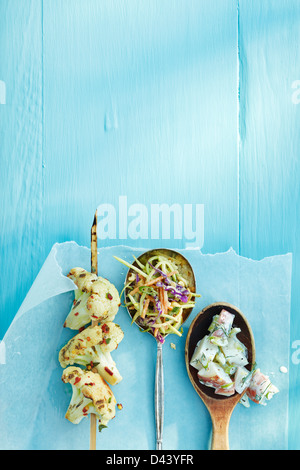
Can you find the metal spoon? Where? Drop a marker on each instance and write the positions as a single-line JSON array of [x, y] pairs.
[[220, 407], [185, 270]]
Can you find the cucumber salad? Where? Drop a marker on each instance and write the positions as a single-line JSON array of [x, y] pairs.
[[221, 361], [157, 294]]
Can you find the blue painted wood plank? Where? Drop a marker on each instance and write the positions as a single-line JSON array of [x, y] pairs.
[[269, 37], [21, 176], [108, 109], [140, 101]]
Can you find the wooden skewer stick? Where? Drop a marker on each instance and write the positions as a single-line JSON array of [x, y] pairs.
[[94, 250], [94, 269]]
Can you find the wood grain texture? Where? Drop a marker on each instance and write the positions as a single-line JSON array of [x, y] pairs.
[[21, 177], [149, 102], [146, 95], [269, 36]]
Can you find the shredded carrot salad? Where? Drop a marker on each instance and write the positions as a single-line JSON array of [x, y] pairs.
[[157, 295]]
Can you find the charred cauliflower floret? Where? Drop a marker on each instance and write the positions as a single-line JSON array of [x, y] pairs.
[[112, 336], [90, 394], [97, 299], [83, 279], [92, 347]]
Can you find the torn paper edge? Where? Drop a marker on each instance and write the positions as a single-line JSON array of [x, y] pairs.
[[58, 283]]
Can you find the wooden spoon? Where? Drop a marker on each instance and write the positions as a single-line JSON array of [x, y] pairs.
[[220, 407]]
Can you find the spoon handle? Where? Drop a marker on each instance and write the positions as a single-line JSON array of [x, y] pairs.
[[220, 431], [159, 397]]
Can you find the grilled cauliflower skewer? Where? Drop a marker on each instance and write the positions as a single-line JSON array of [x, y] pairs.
[[93, 346], [96, 299], [90, 394]]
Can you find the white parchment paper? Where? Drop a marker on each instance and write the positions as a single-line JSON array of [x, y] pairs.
[[33, 399]]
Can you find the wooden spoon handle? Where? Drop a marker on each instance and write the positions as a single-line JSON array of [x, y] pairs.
[[220, 429]]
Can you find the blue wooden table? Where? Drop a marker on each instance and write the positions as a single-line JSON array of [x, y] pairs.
[[151, 111]]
